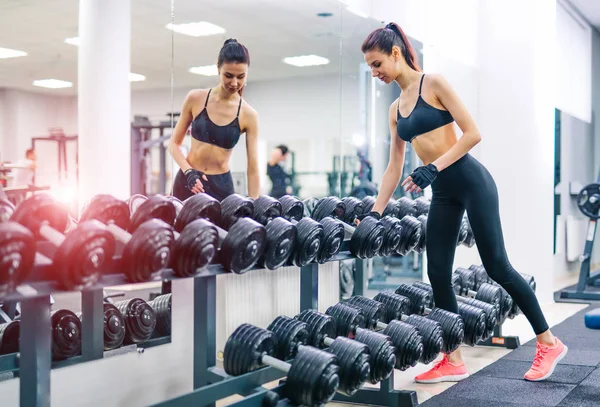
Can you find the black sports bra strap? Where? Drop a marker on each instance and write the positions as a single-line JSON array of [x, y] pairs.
[[239, 107], [207, 96], [421, 85]]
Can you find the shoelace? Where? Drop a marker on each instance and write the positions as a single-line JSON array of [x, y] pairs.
[[539, 355], [439, 364]]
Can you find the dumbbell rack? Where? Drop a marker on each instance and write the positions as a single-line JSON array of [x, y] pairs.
[[498, 340], [33, 363]]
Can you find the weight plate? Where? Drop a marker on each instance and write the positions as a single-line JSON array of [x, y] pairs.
[[333, 236], [41, 208], [406, 207], [9, 337], [140, 320], [243, 246], [6, 210], [66, 334], [233, 208], [17, 255], [106, 208], [199, 206], [266, 209], [155, 207], [148, 252], [195, 248], [84, 255], [291, 207], [280, 243], [588, 201], [309, 239]]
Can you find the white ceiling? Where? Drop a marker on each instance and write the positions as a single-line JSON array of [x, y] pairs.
[[589, 9], [271, 29]]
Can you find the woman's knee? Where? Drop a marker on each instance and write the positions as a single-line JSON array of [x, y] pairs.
[[500, 270], [439, 276]]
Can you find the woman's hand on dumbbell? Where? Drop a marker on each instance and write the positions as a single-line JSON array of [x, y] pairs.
[[372, 214], [193, 178]]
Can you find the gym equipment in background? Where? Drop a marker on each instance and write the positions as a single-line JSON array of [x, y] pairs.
[[588, 202]]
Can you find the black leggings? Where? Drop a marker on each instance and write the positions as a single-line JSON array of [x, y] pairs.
[[219, 186], [467, 184]]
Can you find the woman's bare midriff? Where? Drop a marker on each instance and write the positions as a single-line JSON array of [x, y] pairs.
[[431, 146], [208, 158]]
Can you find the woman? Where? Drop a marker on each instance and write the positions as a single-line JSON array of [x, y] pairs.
[[218, 117], [423, 115]]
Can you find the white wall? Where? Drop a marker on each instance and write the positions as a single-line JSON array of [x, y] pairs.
[[573, 62], [596, 122], [517, 124], [2, 125]]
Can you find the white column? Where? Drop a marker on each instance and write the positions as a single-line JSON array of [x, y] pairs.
[[104, 98], [516, 120]]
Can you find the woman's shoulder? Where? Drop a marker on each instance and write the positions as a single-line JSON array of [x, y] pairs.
[[196, 94], [247, 110]]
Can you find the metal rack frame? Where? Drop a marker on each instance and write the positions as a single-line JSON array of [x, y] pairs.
[[33, 363]]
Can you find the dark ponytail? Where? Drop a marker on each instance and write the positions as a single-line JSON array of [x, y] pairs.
[[385, 38], [233, 52]]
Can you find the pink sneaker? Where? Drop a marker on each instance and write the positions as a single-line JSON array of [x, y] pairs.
[[443, 371], [546, 359]]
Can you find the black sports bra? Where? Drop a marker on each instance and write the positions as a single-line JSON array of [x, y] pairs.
[[203, 129], [423, 119]]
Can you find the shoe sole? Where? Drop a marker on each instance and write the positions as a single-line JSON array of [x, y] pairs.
[[455, 378], [558, 359]]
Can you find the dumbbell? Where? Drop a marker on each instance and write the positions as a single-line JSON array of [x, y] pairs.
[[350, 322], [421, 205], [353, 357], [162, 309], [465, 235], [490, 310], [397, 208], [388, 311], [391, 208], [6, 210], [9, 337], [292, 209], [139, 319], [309, 235], [481, 275], [196, 245], [81, 255], [393, 227], [312, 377], [353, 207], [464, 285], [114, 326], [66, 334], [323, 329], [411, 229], [280, 235], [365, 240], [17, 255], [422, 242], [241, 239], [147, 249], [452, 324]]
